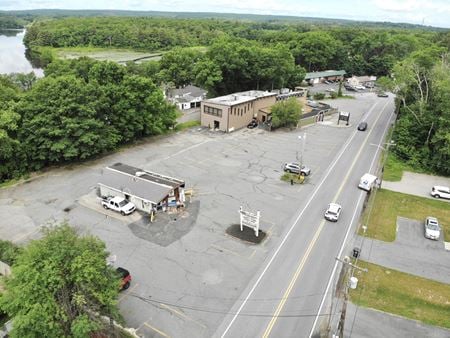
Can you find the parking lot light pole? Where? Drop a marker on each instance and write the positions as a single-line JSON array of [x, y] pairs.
[[302, 149]]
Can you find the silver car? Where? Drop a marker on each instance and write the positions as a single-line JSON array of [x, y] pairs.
[[295, 168], [432, 228]]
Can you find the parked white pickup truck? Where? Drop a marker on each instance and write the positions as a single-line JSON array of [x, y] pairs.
[[118, 204]]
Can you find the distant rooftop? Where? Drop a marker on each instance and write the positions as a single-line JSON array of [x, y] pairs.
[[238, 98], [315, 75]]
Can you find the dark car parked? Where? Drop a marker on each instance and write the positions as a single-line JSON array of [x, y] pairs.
[[362, 126], [252, 124]]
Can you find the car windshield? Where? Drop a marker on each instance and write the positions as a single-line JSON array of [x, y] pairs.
[[123, 203], [331, 212], [433, 226]]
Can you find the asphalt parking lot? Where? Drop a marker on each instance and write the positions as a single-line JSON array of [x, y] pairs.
[[188, 272], [411, 252]]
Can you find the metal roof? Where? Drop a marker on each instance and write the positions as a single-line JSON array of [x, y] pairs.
[[137, 182], [327, 73]]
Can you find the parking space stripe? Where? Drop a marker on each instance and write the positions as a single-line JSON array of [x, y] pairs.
[[156, 330], [128, 292]]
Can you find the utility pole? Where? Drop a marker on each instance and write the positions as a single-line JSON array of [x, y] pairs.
[[347, 265]]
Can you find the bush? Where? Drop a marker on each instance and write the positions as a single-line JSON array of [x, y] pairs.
[[334, 95], [319, 96], [9, 252]]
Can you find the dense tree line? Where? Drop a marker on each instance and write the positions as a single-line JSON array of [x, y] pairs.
[[422, 134], [358, 50], [80, 109]]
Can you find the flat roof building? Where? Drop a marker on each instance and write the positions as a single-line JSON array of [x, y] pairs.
[[147, 190], [234, 111]]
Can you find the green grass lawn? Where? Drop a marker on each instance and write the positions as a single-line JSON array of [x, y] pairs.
[[394, 168], [185, 125], [402, 294], [390, 204]]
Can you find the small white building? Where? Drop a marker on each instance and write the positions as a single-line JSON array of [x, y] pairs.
[[366, 81], [187, 97], [147, 190]]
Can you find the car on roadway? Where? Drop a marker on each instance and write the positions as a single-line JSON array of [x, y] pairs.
[[331, 90], [360, 87], [333, 212], [432, 228], [252, 124], [439, 191], [382, 94], [296, 168], [362, 126]]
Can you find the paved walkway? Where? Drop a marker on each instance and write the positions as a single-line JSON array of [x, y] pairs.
[[416, 184]]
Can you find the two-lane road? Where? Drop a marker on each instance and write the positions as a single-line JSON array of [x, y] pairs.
[[288, 297]]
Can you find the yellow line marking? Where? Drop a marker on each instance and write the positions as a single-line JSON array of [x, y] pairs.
[[128, 292], [312, 243], [181, 314], [293, 280], [156, 330]]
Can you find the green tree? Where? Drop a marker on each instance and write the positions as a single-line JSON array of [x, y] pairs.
[[286, 113], [178, 66], [59, 287]]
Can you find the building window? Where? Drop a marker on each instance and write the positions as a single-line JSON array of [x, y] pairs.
[[212, 111]]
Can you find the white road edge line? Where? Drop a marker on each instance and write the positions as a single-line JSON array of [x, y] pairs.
[[292, 227], [348, 230]]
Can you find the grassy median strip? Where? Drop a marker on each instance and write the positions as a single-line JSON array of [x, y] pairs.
[[402, 294], [390, 204]]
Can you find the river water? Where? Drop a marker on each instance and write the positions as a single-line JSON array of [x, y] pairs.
[[12, 54]]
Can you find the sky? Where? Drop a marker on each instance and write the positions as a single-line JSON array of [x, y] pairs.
[[428, 12]]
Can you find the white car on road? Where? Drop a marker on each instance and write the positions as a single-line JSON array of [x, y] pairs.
[[440, 192], [333, 212]]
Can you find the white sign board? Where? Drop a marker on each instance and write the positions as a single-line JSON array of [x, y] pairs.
[[250, 220]]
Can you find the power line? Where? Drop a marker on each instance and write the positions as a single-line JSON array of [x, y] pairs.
[[224, 312]]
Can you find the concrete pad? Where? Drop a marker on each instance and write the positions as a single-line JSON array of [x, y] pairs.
[[92, 201]]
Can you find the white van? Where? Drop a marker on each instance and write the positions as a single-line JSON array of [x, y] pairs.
[[367, 182]]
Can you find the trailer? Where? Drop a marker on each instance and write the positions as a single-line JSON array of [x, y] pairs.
[[367, 182]]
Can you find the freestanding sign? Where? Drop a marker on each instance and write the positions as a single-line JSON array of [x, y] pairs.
[[344, 116], [250, 220]]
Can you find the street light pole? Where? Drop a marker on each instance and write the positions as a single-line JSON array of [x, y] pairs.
[[303, 138]]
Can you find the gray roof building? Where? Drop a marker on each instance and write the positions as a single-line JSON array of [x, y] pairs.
[[140, 183]]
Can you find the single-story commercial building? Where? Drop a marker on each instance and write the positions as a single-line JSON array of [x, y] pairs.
[[366, 81], [147, 190], [235, 111], [187, 97], [328, 75]]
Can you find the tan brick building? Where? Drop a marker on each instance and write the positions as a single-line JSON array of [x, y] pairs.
[[235, 111]]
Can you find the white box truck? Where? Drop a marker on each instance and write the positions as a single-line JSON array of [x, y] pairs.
[[367, 182]]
